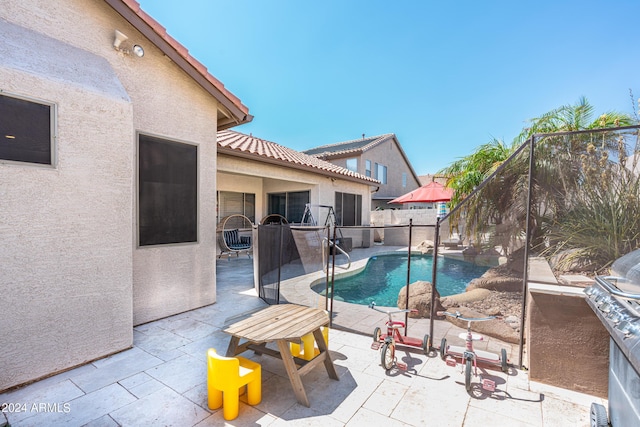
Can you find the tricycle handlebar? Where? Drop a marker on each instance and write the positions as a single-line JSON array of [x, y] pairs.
[[457, 315], [406, 310]]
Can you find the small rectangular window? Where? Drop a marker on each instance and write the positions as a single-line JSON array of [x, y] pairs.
[[26, 131], [367, 171], [352, 164], [348, 208], [404, 179], [167, 191], [381, 173]]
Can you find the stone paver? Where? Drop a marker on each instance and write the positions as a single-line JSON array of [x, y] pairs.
[[165, 407]]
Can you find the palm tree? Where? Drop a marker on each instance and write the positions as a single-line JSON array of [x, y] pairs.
[[567, 118], [498, 209], [465, 174]]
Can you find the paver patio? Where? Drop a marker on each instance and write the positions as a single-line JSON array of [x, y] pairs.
[[162, 381]]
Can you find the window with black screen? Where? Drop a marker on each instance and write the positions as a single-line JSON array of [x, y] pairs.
[[25, 131], [167, 191]]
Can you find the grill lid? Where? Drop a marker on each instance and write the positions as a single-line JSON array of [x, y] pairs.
[[628, 268]]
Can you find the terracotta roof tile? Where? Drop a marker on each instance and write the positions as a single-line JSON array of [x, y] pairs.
[[183, 51], [133, 4], [249, 146]]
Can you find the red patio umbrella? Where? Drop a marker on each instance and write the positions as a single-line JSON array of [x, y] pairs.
[[428, 193]]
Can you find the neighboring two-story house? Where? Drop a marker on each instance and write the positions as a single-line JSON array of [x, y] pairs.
[[380, 157]]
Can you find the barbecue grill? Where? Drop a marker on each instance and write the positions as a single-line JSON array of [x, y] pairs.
[[616, 301]]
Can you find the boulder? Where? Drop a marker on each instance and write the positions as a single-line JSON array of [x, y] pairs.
[[419, 299], [465, 297], [500, 284], [425, 247], [502, 279]]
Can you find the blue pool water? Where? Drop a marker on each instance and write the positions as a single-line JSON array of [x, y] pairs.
[[384, 276]]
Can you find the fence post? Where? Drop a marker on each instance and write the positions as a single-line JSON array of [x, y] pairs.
[[434, 270], [333, 270], [525, 273], [326, 267], [406, 315]]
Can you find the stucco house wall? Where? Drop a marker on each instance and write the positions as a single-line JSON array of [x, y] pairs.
[[74, 281], [388, 154]]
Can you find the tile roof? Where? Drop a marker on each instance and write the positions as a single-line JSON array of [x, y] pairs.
[[241, 145], [348, 147], [236, 112]]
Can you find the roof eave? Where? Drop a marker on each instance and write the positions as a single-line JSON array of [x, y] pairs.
[[339, 154], [236, 113], [278, 162]]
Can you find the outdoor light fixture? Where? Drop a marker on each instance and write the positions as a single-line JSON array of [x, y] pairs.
[[120, 38], [138, 50]]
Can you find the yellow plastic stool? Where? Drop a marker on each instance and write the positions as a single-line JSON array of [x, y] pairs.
[[309, 349], [225, 377]]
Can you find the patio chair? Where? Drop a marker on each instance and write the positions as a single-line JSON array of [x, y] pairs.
[[225, 377], [234, 235], [274, 219]]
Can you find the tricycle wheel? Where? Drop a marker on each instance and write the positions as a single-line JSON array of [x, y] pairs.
[[468, 366], [426, 344], [376, 334], [387, 355], [443, 348], [598, 416], [503, 360]]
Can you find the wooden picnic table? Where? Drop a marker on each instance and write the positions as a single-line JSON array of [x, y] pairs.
[[283, 323]]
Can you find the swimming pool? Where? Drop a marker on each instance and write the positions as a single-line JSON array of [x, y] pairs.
[[384, 276]]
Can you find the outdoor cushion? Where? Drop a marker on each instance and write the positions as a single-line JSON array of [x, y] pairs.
[[235, 241]]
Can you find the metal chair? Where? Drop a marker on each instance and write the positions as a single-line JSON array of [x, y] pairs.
[[232, 235]]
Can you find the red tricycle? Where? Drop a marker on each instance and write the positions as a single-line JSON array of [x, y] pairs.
[[468, 355], [387, 342]]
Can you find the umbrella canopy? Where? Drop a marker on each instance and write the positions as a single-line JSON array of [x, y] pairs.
[[429, 193]]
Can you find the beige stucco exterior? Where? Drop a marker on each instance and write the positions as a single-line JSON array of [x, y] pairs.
[[576, 360], [73, 279]]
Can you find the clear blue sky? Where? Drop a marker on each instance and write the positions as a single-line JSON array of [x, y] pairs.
[[444, 76]]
